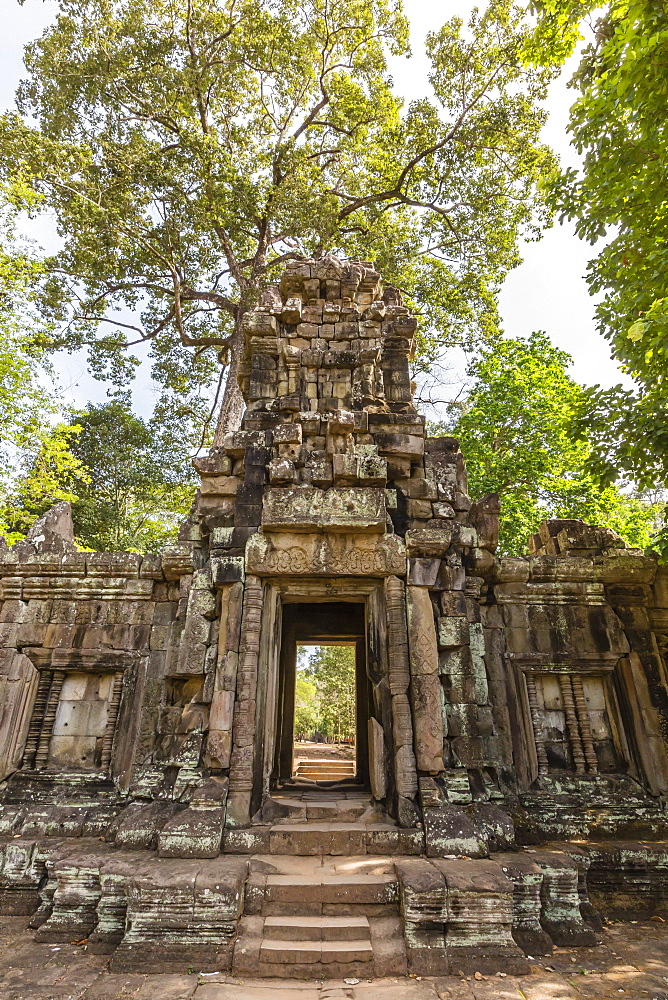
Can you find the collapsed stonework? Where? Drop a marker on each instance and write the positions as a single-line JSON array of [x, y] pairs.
[[512, 714]]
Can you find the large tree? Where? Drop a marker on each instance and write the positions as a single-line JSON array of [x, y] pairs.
[[27, 393], [332, 670], [188, 149], [130, 481], [23, 397], [516, 431], [619, 125]]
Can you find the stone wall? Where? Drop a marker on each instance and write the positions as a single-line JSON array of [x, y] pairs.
[[509, 700]]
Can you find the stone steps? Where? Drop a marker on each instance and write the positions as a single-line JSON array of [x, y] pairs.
[[310, 839], [321, 926], [307, 839], [317, 928], [314, 808], [153, 914], [323, 775], [311, 952], [338, 890], [325, 770]]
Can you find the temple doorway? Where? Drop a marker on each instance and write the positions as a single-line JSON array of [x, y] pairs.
[[324, 694], [325, 720]]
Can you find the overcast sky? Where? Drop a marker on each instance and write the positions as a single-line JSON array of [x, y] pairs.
[[547, 292]]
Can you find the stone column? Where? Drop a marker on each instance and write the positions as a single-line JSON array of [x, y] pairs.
[[399, 678], [112, 719], [37, 718], [219, 740], [241, 763], [425, 681], [41, 757]]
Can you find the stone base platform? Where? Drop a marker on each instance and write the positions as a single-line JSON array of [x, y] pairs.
[[633, 958], [314, 916]]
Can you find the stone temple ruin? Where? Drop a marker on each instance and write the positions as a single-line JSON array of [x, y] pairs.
[[512, 714]]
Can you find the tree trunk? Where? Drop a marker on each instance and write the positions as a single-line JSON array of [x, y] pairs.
[[232, 405]]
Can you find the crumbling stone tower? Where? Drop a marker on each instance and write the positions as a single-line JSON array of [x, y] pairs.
[[326, 496], [147, 703]]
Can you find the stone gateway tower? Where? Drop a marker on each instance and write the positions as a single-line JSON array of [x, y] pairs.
[[511, 714]]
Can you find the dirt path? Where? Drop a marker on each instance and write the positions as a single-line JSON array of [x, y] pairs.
[[324, 751]]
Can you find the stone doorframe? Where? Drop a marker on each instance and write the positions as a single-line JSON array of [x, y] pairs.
[[320, 623], [258, 687]]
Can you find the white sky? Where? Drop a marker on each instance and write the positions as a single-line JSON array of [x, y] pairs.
[[547, 292]]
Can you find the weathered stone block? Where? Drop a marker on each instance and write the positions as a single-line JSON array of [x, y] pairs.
[[180, 914], [453, 632], [560, 901], [306, 509], [480, 901], [193, 833], [527, 878]]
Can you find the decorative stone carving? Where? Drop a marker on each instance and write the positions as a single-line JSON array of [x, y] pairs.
[[399, 681], [324, 555], [377, 762], [425, 682], [241, 764]]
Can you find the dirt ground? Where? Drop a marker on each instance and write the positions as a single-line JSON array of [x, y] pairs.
[[323, 751], [632, 964]]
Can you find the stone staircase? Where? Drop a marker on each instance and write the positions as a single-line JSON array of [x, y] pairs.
[[322, 913], [325, 770], [325, 918], [311, 822]]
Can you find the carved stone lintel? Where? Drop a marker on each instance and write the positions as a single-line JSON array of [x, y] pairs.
[[306, 508], [325, 555]]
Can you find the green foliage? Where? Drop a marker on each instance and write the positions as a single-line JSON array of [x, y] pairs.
[[306, 708], [129, 480], [619, 125], [188, 150], [22, 398], [557, 32], [141, 482], [47, 472], [331, 675], [516, 431], [26, 396]]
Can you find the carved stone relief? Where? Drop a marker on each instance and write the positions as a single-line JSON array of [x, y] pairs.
[[325, 555]]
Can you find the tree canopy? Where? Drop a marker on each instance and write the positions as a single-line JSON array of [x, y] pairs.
[[326, 696], [515, 427], [619, 125], [27, 399], [189, 149], [130, 481], [22, 396]]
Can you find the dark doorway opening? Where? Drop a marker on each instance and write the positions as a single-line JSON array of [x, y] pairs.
[[335, 624]]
